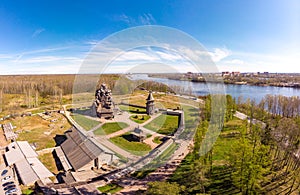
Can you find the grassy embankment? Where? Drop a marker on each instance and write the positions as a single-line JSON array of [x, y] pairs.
[[139, 118], [84, 122], [158, 161], [164, 124], [109, 128], [110, 188], [220, 182], [136, 148]]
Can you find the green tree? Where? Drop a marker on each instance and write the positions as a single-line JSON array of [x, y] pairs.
[[163, 188], [250, 161]]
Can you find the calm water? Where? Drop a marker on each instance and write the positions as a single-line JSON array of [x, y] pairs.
[[246, 91]]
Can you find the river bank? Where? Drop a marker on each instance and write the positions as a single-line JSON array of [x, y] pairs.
[[245, 91], [262, 82]]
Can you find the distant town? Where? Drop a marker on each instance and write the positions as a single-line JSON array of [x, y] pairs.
[[248, 78]]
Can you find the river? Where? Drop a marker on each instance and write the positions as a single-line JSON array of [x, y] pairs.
[[246, 91]]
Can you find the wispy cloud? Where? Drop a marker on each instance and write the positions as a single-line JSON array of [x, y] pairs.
[[6, 56], [144, 19], [42, 59], [38, 51], [147, 19], [37, 32]]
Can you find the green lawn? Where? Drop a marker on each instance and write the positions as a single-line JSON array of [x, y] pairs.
[[110, 128], [27, 190], [225, 142], [164, 124], [234, 124], [139, 118], [85, 122], [157, 140], [136, 148], [222, 147], [191, 119], [110, 188], [158, 161], [141, 174], [162, 158], [132, 109], [99, 131], [48, 160], [220, 180]]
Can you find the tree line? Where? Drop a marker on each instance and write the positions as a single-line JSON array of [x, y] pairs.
[[264, 156]]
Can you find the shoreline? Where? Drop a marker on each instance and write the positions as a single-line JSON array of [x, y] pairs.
[[234, 83]]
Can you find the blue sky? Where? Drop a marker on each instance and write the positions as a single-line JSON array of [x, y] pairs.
[[55, 36]]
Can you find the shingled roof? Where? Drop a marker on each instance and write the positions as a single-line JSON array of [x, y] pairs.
[[150, 97], [79, 149]]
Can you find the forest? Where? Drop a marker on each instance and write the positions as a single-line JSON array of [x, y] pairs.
[[19, 93], [259, 155]]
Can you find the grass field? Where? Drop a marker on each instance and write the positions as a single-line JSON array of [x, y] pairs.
[[110, 188], [48, 160], [26, 190], [161, 159], [136, 148], [234, 124], [110, 128], [133, 110], [191, 119], [99, 131], [85, 122], [220, 182], [138, 97], [224, 144], [38, 131], [164, 124], [158, 161], [157, 140], [139, 118]]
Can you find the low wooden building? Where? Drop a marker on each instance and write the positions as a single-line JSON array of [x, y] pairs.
[[84, 153]]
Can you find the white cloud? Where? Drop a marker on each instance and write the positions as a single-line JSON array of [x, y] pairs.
[[219, 53], [137, 56], [37, 32], [259, 62], [234, 62]]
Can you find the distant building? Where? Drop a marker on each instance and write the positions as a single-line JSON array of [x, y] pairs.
[[83, 153], [23, 158], [235, 73], [150, 104], [226, 73]]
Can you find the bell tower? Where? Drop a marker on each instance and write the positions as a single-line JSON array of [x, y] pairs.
[[150, 104]]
